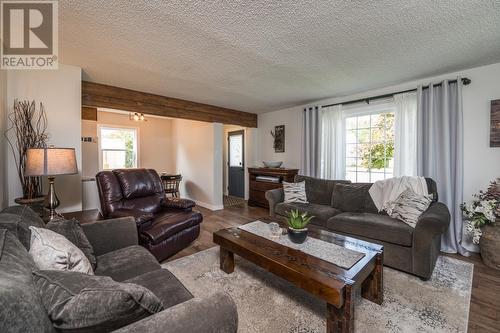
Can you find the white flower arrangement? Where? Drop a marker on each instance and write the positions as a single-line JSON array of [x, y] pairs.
[[483, 209]]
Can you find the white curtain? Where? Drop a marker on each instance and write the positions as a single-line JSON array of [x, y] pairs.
[[332, 143], [405, 134]]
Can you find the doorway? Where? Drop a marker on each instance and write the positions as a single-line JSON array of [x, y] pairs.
[[236, 163]]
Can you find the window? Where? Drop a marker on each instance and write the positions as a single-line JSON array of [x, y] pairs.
[[369, 147], [118, 148]]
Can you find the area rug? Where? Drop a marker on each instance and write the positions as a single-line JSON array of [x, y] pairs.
[[232, 201], [267, 303]]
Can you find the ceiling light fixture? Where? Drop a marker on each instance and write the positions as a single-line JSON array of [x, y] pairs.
[[137, 116]]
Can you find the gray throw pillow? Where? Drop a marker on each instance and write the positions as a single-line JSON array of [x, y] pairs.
[[91, 303], [295, 192], [408, 207], [72, 230], [50, 250]]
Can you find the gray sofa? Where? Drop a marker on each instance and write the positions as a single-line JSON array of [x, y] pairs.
[[348, 209], [115, 244]]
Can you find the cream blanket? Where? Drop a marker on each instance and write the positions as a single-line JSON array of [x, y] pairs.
[[384, 191]]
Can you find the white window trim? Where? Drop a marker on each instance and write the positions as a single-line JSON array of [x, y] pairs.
[[137, 148], [357, 111]]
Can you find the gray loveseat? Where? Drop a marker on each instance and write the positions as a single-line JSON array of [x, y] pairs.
[[115, 243], [348, 209]]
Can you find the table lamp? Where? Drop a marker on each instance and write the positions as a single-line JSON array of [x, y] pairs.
[[50, 162]]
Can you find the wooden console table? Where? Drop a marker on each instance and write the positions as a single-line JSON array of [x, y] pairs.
[[257, 189]]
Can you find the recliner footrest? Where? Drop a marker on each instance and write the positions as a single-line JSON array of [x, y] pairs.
[[169, 225]]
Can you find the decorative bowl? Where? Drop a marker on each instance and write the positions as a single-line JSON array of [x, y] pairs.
[[272, 164]]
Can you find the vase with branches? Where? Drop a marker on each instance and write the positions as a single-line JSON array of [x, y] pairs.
[[27, 129]]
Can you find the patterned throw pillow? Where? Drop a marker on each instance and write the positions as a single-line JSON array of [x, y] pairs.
[[408, 207], [52, 251], [295, 192]]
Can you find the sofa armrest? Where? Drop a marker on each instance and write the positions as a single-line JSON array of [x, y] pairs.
[[178, 203], [435, 220], [140, 217], [110, 235], [274, 197], [214, 314]]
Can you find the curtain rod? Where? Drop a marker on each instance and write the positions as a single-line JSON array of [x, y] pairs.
[[465, 81]]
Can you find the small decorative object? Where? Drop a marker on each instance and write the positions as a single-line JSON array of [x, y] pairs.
[[275, 229], [28, 126], [297, 222], [279, 138], [51, 162], [483, 224], [272, 164], [495, 124]]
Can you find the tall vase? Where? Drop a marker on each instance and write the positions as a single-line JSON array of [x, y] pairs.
[[490, 245]]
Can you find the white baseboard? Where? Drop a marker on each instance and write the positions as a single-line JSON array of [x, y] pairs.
[[208, 206]]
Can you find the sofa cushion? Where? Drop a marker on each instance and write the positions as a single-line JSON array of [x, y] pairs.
[[373, 226], [72, 230], [319, 191], [164, 285], [51, 250], [21, 307], [18, 219], [126, 263], [353, 197], [321, 213], [88, 303], [170, 222]]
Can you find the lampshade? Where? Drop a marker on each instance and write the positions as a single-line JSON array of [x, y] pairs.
[[50, 162]]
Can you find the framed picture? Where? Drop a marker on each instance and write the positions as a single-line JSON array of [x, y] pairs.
[[495, 123], [279, 138]]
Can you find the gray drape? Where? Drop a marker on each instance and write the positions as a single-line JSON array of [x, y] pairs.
[[311, 138], [440, 151]]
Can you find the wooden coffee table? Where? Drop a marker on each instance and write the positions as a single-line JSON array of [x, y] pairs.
[[323, 279]]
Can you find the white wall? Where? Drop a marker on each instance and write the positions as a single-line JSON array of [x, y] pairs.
[[3, 150], [481, 162], [60, 92], [198, 151]]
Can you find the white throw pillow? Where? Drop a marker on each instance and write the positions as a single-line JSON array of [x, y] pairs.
[[295, 192], [408, 207], [52, 251]]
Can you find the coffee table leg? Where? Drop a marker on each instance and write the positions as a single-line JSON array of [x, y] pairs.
[[373, 287], [226, 260], [341, 320]]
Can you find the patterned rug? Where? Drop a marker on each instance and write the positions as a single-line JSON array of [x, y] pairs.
[[267, 303], [232, 201]]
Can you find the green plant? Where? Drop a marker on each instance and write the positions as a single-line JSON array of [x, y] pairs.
[[297, 220]]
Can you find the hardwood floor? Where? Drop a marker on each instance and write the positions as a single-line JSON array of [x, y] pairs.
[[484, 314]]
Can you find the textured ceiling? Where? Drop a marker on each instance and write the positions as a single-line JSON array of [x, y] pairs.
[[259, 56]]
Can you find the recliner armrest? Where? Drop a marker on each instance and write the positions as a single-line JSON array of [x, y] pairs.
[[140, 218], [110, 235], [214, 314], [274, 197], [178, 203]]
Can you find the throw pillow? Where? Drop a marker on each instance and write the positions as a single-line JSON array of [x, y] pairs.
[[72, 230], [295, 192], [53, 251], [91, 303], [408, 207]]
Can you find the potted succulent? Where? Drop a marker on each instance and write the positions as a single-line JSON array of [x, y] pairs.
[[297, 222], [482, 215]]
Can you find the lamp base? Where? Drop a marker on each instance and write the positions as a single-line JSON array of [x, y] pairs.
[[52, 202]]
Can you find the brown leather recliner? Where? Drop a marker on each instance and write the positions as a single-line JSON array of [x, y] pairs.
[[165, 225]]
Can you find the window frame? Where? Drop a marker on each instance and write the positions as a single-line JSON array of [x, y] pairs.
[[357, 110], [136, 148]]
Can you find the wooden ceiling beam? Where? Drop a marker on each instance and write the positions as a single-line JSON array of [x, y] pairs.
[[98, 95]]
